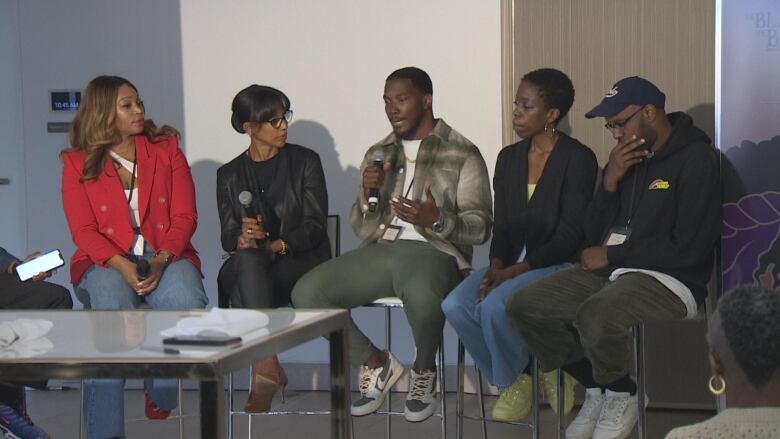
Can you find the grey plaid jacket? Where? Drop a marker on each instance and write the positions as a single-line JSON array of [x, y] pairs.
[[457, 175]]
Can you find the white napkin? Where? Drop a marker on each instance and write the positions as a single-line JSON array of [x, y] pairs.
[[219, 323], [21, 330]]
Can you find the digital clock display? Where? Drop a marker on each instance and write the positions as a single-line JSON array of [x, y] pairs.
[[65, 100]]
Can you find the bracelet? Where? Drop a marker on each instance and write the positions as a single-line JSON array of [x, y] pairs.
[[166, 257], [283, 251]]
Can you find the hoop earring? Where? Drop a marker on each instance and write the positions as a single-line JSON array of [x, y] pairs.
[[716, 390]]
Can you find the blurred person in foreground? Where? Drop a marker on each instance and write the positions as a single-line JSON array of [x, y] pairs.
[[744, 340]]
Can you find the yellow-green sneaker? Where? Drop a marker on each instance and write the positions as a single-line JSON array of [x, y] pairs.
[[514, 402], [550, 387]]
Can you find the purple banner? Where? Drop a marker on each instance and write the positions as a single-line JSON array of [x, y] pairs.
[[749, 138]]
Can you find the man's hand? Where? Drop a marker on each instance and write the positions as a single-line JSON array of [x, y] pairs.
[[625, 155], [374, 177], [38, 277], [421, 214], [593, 258]]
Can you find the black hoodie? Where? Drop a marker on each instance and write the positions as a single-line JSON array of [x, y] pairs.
[[675, 222]]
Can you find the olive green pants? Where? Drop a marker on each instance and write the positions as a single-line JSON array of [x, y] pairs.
[[574, 313], [413, 271]]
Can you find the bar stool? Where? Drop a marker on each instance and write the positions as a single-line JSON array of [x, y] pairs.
[[388, 303], [460, 416]]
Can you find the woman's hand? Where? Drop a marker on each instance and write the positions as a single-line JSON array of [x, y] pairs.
[[156, 268], [496, 276], [126, 268], [251, 230]]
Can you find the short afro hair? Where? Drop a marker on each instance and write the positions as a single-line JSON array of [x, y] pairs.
[[750, 322], [420, 80], [555, 89]]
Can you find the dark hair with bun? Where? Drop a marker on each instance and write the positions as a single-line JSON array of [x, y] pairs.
[[256, 103]]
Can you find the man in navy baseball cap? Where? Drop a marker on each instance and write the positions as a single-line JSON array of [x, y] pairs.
[[628, 91], [650, 234]]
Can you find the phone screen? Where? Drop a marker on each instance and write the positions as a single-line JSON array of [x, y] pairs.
[[41, 264]]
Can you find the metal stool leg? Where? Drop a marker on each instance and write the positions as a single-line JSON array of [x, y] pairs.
[[481, 402], [388, 341], [460, 390], [82, 426], [181, 410], [561, 398], [442, 389], [639, 359], [231, 412], [535, 397], [249, 416]]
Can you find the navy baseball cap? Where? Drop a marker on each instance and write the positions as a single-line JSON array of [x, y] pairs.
[[628, 91]]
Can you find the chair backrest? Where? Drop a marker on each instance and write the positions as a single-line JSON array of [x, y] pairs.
[[334, 235]]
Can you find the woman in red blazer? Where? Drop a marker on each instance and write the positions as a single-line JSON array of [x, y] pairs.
[[130, 204]]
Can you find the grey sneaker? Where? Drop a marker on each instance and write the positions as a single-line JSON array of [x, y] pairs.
[[374, 385], [421, 399]]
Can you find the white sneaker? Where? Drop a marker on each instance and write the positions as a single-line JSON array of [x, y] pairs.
[[584, 424], [374, 385], [617, 417], [421, 399]]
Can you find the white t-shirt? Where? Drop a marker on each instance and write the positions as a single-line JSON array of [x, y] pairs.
[[135, 218], [410, 150]]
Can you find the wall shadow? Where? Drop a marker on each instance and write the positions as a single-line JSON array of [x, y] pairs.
[[342, 181], [206, 239]]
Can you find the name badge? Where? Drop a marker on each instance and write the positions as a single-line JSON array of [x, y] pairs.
[[392, 233], [617, 235]]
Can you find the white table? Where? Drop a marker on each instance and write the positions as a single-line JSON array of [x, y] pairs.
[[126, 344]]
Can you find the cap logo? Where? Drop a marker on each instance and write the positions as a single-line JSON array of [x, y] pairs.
[[612, 93]]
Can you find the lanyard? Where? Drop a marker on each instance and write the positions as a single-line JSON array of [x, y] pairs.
[[132, 183]]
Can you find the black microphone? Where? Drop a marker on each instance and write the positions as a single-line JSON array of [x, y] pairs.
[[142, 269], [373, 194], [245, 198]]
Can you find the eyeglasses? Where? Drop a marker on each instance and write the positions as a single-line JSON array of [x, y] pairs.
[[619, 124], [277, 121]]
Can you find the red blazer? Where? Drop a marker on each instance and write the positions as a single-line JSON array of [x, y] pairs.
[[99, 218]]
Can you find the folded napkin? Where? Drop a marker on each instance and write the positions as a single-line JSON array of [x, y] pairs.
[[27, 349], [219, 323], [21, 330]]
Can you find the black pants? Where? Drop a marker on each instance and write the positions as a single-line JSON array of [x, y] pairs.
[[251, 278], [15, 294]]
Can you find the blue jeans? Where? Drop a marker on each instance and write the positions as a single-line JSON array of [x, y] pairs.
[[180, 287], [496, 347]]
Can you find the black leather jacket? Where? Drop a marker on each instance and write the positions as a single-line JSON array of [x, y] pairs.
[[302, 206]]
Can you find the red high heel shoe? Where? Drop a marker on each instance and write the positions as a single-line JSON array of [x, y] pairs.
[[151, 409]]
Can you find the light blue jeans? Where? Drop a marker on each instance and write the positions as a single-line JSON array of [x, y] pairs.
[[496, 347], [180, 287]]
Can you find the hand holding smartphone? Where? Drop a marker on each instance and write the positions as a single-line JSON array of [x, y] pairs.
[[40, 264]]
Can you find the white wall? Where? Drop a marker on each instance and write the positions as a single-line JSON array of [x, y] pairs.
[[63, 46], [331, 58], [12, 229]]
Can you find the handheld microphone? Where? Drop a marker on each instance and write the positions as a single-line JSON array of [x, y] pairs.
[[245, 198], [142, 269], [373, 194]]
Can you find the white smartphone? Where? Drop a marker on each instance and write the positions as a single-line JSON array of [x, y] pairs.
[[41, 264]]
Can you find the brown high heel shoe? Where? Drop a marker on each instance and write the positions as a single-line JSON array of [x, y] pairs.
[[267, 377]]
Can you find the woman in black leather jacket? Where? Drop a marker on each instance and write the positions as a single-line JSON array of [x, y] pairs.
[[273, 207]]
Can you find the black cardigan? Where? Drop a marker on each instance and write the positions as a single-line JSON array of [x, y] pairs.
[[301, 206], [550, 224]]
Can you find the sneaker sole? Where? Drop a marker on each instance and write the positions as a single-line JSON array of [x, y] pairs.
[[374, 406], [423, 415], [6, 434]]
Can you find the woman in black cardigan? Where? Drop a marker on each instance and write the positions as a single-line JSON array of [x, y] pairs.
[[542, 186], [273, 207]]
